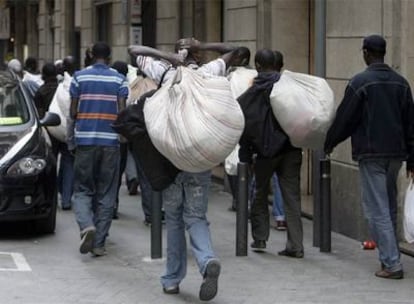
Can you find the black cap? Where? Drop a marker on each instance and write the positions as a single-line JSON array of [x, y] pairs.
[[375, 43]]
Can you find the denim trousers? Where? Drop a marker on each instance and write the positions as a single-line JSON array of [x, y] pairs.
[[185, 205], [379, 202], [65, 175], [95, 188], [287, 167], [277, 206]]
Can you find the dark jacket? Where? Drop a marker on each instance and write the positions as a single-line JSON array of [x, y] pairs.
[[44, 96], [378, 112], [130, 123], [262, 134]]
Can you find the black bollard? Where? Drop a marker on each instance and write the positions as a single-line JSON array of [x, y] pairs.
[[325, 206], [156, 225], [242, 210]]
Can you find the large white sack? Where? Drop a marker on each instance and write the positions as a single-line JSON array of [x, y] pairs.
[[138, 87], [304, 107], [241, 79], [60, 105], [193, 120]]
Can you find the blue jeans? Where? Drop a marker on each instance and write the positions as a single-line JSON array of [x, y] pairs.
[[379, 201], [95, 188], [277, 207], [185, 205], [65, 175]]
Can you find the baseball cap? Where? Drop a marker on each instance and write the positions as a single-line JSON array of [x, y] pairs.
[[374, 43]]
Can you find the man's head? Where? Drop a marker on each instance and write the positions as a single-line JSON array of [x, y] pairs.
[[374, 48], [240, 57], [15, 66], [69, 64], [30, 65], [278, 60], [121, 67], [188, 48], [101, 51], [49, 72], [59, 66], [264, 60]]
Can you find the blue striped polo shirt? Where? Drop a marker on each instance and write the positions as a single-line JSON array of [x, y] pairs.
[[97, 88]]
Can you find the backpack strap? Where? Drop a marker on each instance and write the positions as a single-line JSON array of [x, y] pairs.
[[163, 76]]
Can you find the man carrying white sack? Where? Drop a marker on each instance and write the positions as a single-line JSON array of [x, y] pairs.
[[264, 136], [185, 200]]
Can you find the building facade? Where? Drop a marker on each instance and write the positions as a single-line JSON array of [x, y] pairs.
[[53, 29]]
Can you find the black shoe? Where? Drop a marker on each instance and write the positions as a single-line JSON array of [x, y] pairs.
[[67, 208], [147, 222], [133, 186], [258, 245], [171, 290], [394, 275], [291, 254], [208, 288]]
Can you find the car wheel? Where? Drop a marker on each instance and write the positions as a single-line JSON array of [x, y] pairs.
[[48, 224]]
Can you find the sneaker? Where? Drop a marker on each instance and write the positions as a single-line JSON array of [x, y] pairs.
[[87, 238], [171, 289], [208, 288], [98, 252], [281, 225], [133, 186], [258, 245], [291, 254], [385, 274]]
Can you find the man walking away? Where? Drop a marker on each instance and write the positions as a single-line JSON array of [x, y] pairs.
[[377, 112], [98, 93], [264, 136]]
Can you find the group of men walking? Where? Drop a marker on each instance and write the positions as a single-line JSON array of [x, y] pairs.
[[376, 112]]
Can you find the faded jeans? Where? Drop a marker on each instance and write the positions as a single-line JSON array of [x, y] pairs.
[[185, 205], [96, 171], [379, 202]]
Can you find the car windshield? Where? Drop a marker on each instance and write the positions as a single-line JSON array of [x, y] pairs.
[[13, 107]]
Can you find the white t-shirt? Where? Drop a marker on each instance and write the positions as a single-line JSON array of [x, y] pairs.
[[154, 69]]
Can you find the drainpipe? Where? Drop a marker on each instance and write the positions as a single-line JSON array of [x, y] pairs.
[[321, 165]]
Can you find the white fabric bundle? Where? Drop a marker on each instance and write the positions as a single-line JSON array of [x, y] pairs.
[[193, 120], [304, 107], [61, 105], [240, 80]]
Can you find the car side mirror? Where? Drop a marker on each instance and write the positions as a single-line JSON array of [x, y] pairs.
[[50, 119]]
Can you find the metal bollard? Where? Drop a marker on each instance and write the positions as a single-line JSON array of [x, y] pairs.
[[156, 225], [325, 206], [242, 210]]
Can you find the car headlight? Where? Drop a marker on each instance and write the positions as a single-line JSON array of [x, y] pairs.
[[27, 166]]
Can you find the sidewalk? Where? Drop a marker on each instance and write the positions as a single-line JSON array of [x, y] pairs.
[[60, 275]]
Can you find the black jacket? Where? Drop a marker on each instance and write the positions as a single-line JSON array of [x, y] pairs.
[[130, 123], [378, 112], [262, 134]]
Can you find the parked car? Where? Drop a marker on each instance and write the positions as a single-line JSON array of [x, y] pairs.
[[28, 190]]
